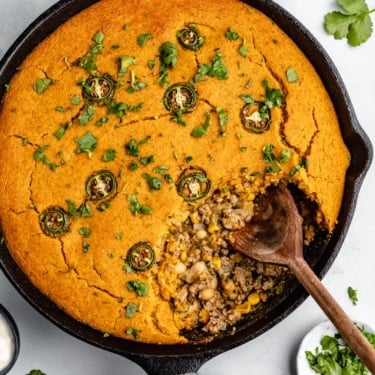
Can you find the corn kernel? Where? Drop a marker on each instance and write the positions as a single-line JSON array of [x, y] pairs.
[[183, 256], [254, 299], [244, 308], [212, 228], [216, 261]]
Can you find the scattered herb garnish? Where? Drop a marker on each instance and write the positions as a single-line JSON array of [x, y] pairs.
[[168, 54], [41, 84], [109, 155], [242, 50], [132, 148], [231, 34], [353, 295], [36, 372], [352, 22], [135, 83], [87, 115], [145, 160], [132, 332], [40, 155], [75, 100], [143, 38], [84, 210], [130, 310], [86, 143], [88, 61], [334, 357], [84, 231], [215, 69], [274, 97], [138, 208], [124, 63], [273, 162], [59, 133], [154, 183], [137, 286], [102, 121], [201, 130], [291, 75]]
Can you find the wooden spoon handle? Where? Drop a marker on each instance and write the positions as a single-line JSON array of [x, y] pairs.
[[348, 330]]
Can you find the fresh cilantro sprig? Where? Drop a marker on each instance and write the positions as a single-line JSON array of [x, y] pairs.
[[352, 22]]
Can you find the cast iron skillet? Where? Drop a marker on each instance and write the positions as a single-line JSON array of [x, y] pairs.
[[177, 359]]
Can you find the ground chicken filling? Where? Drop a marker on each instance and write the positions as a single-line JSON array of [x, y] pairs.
[[213, 286]]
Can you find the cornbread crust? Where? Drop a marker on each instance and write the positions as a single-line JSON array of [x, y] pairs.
[[91, 285]]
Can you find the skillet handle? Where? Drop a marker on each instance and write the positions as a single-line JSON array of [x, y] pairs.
[[171, 365]]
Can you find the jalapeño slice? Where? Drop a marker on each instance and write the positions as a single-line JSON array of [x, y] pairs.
[[101, 185], [141, 256], [99, 89], [180, 97], [190, 38], [54, 221], [193, 184], [255, 117]]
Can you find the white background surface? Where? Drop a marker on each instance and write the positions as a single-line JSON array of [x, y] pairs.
[[45, 347]]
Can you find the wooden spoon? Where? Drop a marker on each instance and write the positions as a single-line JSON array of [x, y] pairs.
[[274, 235]]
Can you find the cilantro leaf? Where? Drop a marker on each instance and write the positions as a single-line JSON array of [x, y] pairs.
[[360, 30], [338, 24], [353, 7], [86, 143]]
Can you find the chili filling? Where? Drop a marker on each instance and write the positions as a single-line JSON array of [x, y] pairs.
[[54, 221], [180, 97], [99, 89], [141, 256], [101, 185], [255, 117], [193, 184], [190, 38]]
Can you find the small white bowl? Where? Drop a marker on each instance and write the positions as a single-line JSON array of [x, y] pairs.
[[312, 341]]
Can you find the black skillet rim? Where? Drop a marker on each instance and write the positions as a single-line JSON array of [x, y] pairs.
[[353, 134]]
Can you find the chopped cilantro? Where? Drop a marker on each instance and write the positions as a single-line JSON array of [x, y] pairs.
[[42, 84], [59, 133], [154, 183], [132, 148], [86, 143], [138, 208], [353, 295], [40, 155], [137, 286], [87, 115], [215, 69], [84, 231], [109, 155], [168, 55], [201, 130], [88, 61], [231, 34], [133, 332], [75, 100], [273, 162], [291, 75], [334, 356], [124, 63], [130, 310], [143, 38], [242, 50]]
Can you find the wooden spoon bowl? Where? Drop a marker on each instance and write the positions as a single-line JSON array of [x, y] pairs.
[[274, 235]]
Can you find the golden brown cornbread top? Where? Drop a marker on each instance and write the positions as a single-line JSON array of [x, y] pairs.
[[75, 279]]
